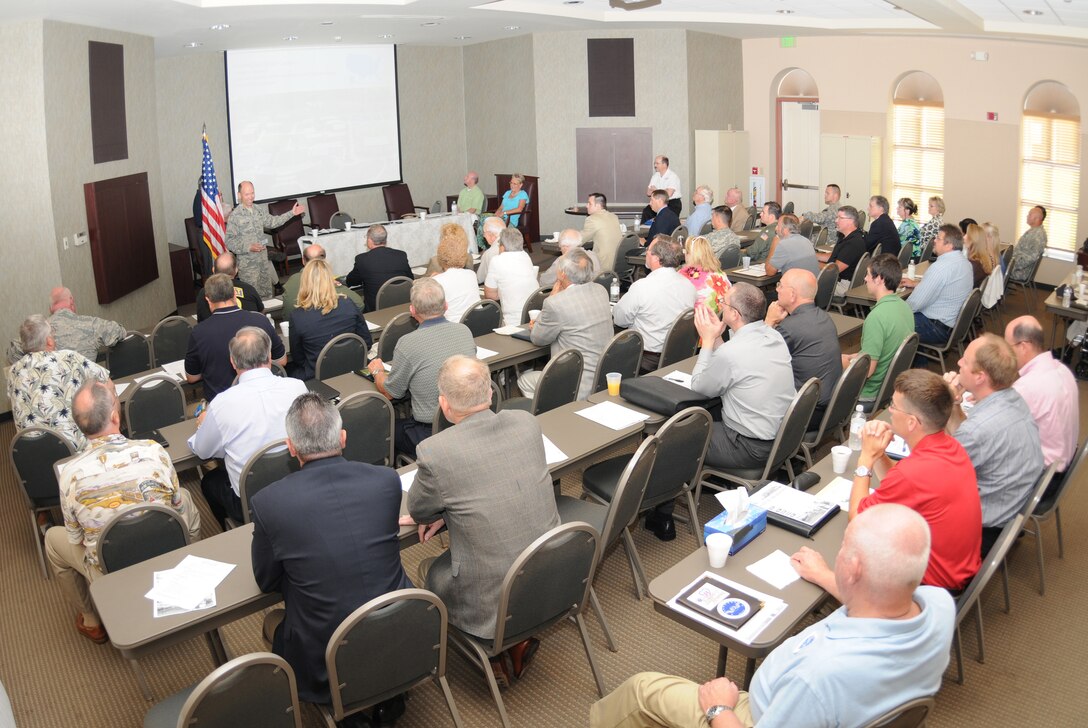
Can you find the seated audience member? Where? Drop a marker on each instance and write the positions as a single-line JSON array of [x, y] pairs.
[[703, 268], [575, 316], [928, 231], [889, 322], [377, 265], [464, 482], [848, 251], [790, 249], [602, 228], [722, 237], [511, 278], [983, 259], [939, 296], [998, 432], [245, 294], [810, 334], [667, 180], [1030, 247], [890, 635], [752, 373], [966, 223], [82, 334], [703, 200], [569, 239], [325, 538], [1048, 389], [492, 227], [320, 316], [42, 382], [460, 237], [417, 357], [937, 479], [882, 236], [993, 240], [760, 249], [909, 232], [457, 279], [471, 199], [735, 202], [665, 220], [652, 303], [514, 201], [313, 251], [112, 476], [207, 358], [242, 419], [828, 217]]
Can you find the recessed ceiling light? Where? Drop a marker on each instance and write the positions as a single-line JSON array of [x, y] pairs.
[[193, 44], [338, 38], [220, 26], [290, 38], [784, 12], [1032, 13], [512, 27], [385, 36], [326, 22], [462, 37], [428, 24], [572, 2]]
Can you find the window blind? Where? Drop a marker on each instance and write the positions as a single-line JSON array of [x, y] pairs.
[[1050, 176], [917, 154]]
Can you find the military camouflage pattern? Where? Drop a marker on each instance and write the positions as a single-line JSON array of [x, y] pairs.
[[824, 219], [245, 226], [85, 334]]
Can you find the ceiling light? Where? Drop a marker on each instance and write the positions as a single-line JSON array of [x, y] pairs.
[[461, 37], [1032, 13], [290, 38], [572, 2], [193, 44], [338, 38], [220, 26], [385, 36], [326, 22], [512, 27], [784, 12], [428, 24]]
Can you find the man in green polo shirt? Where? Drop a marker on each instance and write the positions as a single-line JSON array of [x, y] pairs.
[[471, 198], [888, 323]]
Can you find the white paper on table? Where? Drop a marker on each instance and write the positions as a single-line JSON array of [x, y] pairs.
[[612, 415], [508, 330], [160, 609], [372, 326], [175, 368], [552, 454], [772, 607], [387, 366], [406, 479], [190, 582], [120, 387], [140, 380], [838, 491], [897, 448], [775, 569], [678, 377], [194, 318], [759, 269], [482, 353], [420, 270], [273, 304]]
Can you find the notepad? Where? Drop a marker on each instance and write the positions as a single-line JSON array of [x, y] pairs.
[[775, 569], [678, 377], [372, 326], [175, 369], [509, 330], [273, 304], [121, 387], [552, 454], [482, 353], [406, 480], [838, 491], [613, 416]]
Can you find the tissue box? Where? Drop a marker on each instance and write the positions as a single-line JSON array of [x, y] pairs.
[[754, 524]]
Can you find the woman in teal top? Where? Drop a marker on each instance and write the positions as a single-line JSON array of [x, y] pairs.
[[514, 201], [909, 234]]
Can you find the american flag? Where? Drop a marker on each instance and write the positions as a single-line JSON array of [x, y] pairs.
[[212, 219]]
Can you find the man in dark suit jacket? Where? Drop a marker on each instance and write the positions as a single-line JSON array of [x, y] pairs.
[[882, 233], [377, 265], [665, 220], [324, 537]]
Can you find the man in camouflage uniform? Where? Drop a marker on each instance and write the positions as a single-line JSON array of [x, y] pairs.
[[826, 218], [1030, 247], [245, 238], [84, 334]]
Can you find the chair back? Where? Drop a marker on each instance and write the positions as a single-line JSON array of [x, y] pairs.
[[861, 220], [340, 220], [278, 370], [558, 383], [682, 444], [368, 420], [343, 354], [844, 398], [900, 363], [534, 302], [1036, 495], [366, 665], [905, 252], [270, 463], [994, 559], [805, 228], [285, 237], [681, 340], [1048, 504], [825, 286], [680, 234], [753, 218], [859, 272], [967, 315], [254, 689], [398, 201], [547, 582], [787, 209], [794, 425], [482, 317], [706, 228], [730, 258], [604, 279], [630, 491], [622, 354], [396, 291], [911, 714], [322, 208], [155, 402], [927, 251], [33, 453], [821, 237], [130, 355], [170, 339], [138, 534], [401, 324], [628, 244], [441, 423]]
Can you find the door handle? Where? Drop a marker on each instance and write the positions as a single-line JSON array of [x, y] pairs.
[[787, 186]]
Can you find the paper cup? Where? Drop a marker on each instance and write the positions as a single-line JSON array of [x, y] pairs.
[[422, 215], [613, 379], [717, 547], [840, 458], [746, 261], [347, 225], [284, 328], [533, 313]]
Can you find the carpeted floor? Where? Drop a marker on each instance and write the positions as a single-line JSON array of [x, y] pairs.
[[1033, 672]]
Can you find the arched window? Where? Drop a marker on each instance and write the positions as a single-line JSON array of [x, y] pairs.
[[1050, 162], [918, 140]]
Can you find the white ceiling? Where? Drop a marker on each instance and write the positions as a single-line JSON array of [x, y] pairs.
[[266, 23]]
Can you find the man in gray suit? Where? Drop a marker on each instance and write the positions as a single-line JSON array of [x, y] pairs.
[[575, 316], [493, 511]]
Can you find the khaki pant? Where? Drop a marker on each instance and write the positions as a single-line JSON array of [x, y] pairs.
[[651, 700]]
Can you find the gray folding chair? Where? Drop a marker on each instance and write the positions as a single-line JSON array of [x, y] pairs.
[[534, 302], [604, 279], [138, 534], [911, 714], [170, 339], [822, 236], [787, 209], [1050, 505], [441, 423], [825, 286], [257, 689], [482, 317], [707, 227], [33, 452], [680, 234], [368, 421], [401, 324], [905, 252], [344, 353], [340, 220], [270, 463], [1027, 285], [805, 228], [558, 385], [681, 340], [622, 354], [858, 279], [155, 402], [844, 400], [900, 363], [130, 355], [956, 336], [396, 291], [927, 251], [730, 258], [385, 647], [629, 244]]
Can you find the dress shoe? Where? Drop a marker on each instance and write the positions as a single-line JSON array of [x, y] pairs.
[[94, 634], [386, 713], [521, 655], [503, 669], [358, 720], [661, 526]]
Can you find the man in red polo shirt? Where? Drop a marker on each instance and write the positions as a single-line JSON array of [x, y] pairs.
[[937, 479]]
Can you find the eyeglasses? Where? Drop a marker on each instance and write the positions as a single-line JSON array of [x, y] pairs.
[[891, 406]]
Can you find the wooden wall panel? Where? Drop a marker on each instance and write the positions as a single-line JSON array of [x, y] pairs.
[[611, 73], [121, 234], [109, 135]]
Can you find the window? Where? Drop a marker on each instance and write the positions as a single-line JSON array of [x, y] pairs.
[[1050, 162], [918, 141]]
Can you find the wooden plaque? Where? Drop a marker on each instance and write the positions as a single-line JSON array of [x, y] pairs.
[[122, 235]]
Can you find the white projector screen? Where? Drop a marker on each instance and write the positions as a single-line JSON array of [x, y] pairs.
[[307, 120]]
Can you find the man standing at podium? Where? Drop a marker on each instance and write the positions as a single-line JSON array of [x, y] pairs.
[[245, 238]]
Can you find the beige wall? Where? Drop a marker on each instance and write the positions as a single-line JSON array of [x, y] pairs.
[[715, 93]]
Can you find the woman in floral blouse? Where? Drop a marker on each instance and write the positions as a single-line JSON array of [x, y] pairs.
[[929, 231], [908, 229], [702, 268]]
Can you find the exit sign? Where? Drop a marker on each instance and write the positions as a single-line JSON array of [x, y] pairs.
[[788, 41]]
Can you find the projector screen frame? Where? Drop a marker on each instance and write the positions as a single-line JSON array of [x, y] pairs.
[[300, 195]]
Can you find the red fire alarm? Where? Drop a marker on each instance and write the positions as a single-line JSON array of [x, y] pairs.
[[755, 170], [991, 116]]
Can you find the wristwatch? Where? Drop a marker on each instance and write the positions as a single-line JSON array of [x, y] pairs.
[[714, 711], [863, 472]]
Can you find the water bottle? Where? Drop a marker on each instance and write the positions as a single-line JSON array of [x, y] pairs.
[[910, 270], [453, 208], [614, 290], [856, 423], [1067, 296]]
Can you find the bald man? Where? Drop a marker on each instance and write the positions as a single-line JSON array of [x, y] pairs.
[[887, 644], [471, 199], [735, 202], [810, 335], [246, 239], [83, 334], [246, 295]]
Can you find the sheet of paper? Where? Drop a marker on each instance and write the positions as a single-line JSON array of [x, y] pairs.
[[509, 330], [772, 607], [775, 569], [759, 269], [482, 353], [160, 609], [897, 448], [272, 304], [372, 326], [139, 380], [121, 387], [552, 454], [387, 366], [678, 377], [420, 270], [838, 491], [175, 368], [612, 415], [190, 582], [795, 504], [406, 480]]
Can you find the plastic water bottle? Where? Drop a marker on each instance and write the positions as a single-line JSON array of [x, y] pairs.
[[453, 208], [910, 270], [1067, 296], [857, 422], [614, 290]]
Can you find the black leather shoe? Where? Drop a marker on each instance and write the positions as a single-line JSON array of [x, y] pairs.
[[386, 713], [661, 526]]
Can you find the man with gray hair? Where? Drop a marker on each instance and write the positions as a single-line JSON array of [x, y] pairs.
[[491, 228], [575, 316], [85, 334], [493, 511], [511, 278], [245, 294], [790, 249], [242, 419], [376, 265], [324, 573], [734, 200], [569, 239], [246, 224], [112, 476], [938, 298], [703, 199], [42, 383], [417, 357], [882, 236], [313, 251]]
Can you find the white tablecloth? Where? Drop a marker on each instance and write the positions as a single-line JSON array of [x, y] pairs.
[[418, 238]]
